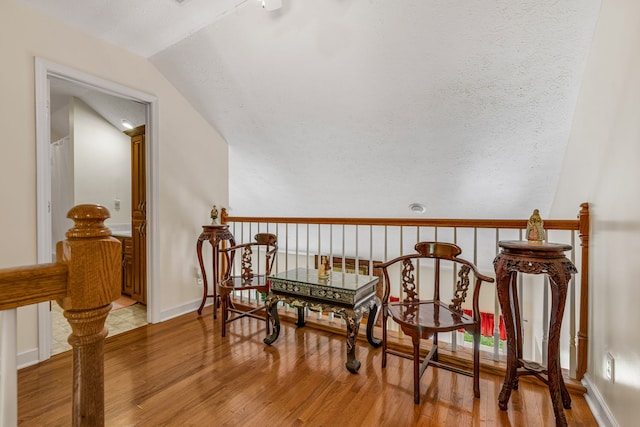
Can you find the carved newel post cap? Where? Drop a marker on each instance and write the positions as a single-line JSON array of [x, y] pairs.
[[89, 221], [94, 260]]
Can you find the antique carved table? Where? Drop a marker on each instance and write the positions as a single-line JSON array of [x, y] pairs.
[[214, 234], [346, 295], [546, 258]]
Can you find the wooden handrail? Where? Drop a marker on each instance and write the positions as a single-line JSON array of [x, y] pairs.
[[85, 279], [581, 224], [550, 224], [31, 285]]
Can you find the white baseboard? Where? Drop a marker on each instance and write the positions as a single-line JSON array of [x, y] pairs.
[[189, 307], [598, 406], [27, 358]]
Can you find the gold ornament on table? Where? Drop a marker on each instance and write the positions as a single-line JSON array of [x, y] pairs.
[[324, 268], [214, 215], [535, 229]]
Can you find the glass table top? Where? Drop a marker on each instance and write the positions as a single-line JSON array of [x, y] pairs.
[[336, 279]]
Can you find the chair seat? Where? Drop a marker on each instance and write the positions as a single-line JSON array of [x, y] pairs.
[[237, 283], [425, 315]]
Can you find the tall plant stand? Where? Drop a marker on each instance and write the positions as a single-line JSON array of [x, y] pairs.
[[546, 258], [214, 234]]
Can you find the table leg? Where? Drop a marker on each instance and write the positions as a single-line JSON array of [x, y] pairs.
[[216, 276], [353, 319], [504, 279], [558, 295], [371, 321], [515, 304], [272, 310], [566, 397], [204, 276], [301, 322]]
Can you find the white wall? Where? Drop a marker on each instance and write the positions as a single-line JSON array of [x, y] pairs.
[[193, 157], [601, 167], [101, 164]]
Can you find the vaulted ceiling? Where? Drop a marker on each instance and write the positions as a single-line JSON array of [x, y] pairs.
[[362, 107]]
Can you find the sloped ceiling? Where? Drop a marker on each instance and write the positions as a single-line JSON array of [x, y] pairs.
[[362, 107], [111, 108]]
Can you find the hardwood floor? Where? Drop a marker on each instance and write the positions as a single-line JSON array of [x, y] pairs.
[[182, 373]]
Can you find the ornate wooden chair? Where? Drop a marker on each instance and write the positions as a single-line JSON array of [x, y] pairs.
[[255, 266], [424, 319]]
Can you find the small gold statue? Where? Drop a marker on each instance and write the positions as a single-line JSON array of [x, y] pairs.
[[535, 229], [325, 260], [214, 215], [324, 268]]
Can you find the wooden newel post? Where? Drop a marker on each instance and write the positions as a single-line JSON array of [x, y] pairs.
[[94, 260], [583, 328]]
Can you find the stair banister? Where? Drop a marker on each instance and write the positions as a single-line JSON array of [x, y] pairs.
[[84, 280]]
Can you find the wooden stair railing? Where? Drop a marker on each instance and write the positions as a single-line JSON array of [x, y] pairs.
[[84, 280], [581, 224]]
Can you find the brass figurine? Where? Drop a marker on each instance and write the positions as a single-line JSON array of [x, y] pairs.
[[324, 268], [214, 215], [535, 229]]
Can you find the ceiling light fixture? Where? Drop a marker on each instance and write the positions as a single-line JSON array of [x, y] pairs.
[[127, 124], [417, 208]]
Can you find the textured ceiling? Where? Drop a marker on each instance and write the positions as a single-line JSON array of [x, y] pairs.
[[361, 107], [142, 26]]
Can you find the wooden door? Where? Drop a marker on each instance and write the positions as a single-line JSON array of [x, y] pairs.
[[138, 214]]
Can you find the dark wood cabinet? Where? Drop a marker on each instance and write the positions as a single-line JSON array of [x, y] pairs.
[[138, 215], [127, 265]]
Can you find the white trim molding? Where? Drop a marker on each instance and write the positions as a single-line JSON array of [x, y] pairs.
[[8, 369], [43, 70], [596, 403]]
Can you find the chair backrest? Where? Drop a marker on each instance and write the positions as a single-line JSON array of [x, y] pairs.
[[437, 251], [250, 264]]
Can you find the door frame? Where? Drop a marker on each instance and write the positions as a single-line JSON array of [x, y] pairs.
[[43, 70]]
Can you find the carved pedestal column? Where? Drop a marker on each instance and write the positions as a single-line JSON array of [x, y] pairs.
[[214, 234], [545, 258]]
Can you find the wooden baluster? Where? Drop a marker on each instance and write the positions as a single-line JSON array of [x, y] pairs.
[[94, 261], [583, 331]]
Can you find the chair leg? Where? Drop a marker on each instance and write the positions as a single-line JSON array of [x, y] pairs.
[[384, 337], [476, 364], [435, 345], [416, 369], [224, 307]]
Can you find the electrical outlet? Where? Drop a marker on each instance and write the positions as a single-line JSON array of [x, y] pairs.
[[609, 370], [198, 274]]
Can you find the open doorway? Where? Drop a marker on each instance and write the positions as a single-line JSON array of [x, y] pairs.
[[91, 162], [84, 156]]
